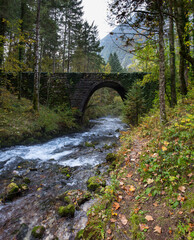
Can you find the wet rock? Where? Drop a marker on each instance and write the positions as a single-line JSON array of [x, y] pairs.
[[111, 157], [38, 232], [66, 211], [22, 232], [95, 182]]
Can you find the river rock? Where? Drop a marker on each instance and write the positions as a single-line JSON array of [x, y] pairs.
[[75, 197], [66, 211], [95, 183]]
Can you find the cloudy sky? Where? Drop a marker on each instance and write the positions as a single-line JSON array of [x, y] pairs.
[[96, 10]]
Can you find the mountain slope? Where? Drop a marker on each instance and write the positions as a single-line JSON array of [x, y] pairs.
[[114, 43]]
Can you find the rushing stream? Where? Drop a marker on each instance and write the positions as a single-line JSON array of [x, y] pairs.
[[84, 153]]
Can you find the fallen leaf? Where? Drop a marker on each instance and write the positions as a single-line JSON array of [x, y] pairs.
[[164, 148], [123, 219], [116, 205], [129, 175], [190, 175], [155, 204], [157, 229], [155, 155], [132, 188], [112, 220], [109, 231], [149, 181], [119, 198], [136, 210], [149, 218], [182, 189], [121, 183], [166, 143], [143, 226]]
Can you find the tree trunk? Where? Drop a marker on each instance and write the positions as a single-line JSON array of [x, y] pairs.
[[161, 63], [2, 41], [172, 58], [36, 71], [21, 48], [68, 54]]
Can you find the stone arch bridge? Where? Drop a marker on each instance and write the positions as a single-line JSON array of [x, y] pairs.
[[77, 88]]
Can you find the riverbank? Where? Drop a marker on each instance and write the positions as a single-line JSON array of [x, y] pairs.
[[20, 124], [152, 194]]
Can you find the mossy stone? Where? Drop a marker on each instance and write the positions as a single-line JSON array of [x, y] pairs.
[[65, 170], [84, 198], [95, 182], [38, 232], [26, 180], [111, 157], [68, 176], [12, 190], [66, 211], [89, 144]]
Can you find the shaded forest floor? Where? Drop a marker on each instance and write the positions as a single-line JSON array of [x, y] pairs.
[[151, 195], [20, 124]]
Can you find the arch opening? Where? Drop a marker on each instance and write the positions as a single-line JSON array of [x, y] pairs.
[[105, 98]]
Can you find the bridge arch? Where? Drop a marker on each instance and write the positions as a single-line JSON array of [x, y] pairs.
[[109, 84]]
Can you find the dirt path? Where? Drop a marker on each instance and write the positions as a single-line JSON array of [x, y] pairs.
[[134, 216]]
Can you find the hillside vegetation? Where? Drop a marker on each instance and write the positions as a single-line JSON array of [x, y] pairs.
[[20, 124], [151, 195]]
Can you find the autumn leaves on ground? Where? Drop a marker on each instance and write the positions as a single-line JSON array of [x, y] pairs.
[[151, 196]]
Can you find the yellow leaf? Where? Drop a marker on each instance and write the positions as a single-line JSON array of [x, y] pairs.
[[132, 188], [143, 226], [164, 148]]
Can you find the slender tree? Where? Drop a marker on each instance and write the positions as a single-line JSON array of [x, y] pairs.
[[36, 70], [172, 57]]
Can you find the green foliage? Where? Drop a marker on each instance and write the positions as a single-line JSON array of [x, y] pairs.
[[114, 63], [19, 123], [169, 160], [134, 105]]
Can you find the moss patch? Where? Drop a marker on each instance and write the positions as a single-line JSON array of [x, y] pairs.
[[95, 182], [38, 232], [66, 211]]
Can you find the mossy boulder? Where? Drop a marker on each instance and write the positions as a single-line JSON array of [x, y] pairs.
[[65, 170], [38, 232], [12, 191], [66, 211], [75, 197], [111, 157], [95, 183]]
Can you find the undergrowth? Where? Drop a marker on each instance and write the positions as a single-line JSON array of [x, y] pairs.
[[19, 123]]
